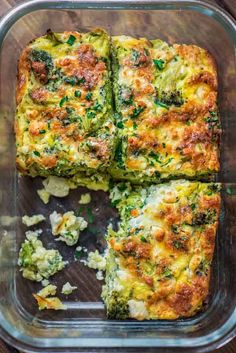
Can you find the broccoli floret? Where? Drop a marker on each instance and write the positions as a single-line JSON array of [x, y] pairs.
[[214, 188], [119, 153], [42, 65], [214, 125], [43, 57], [170, 98], [203, 268], [117, 307], [36, 262], [206, 217]]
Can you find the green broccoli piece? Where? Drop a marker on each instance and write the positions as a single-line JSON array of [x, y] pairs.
[[36, 262], [207, 217], [170, 98], [41, 57], [117, 307]]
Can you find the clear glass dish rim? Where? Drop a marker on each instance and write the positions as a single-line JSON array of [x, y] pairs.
[[201, 344]]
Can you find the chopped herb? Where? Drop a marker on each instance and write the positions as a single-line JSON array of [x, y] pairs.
[[212, 119], [122, 186], [63, 100], [169, 160], [143, 239], [115, 203], [71, 40], [80, 80], [97, 107], [77, 94], [167, 273], [78, 253], [129, 208], [155, 156], [163, 145], [36, 153], [42, 131], [120, 125], [160, 104], [90, 215], [91, 115], [135, 55], [193, 206], [118, 154], [136, 112], [88, 96], [175, 228], [188, 122], [72, 80], [213, 113], [135, 125], [69, 110], [159, 63], [157, 174]]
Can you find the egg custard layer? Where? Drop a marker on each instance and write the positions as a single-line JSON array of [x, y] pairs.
[[158, 264], [167, 116], [64, 121]]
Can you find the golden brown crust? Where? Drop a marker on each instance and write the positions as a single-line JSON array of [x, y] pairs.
[[22, 75]]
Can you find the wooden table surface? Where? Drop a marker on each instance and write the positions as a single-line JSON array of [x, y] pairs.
[[230, 7]]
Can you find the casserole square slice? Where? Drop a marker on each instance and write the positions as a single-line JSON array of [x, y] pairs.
[[64, 121], [166, 104], [159, 261]]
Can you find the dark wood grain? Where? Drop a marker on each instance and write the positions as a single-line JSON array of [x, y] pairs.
[[230, 7]]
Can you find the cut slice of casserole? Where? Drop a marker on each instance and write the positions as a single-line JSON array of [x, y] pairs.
[[64, 115], [166, 107], [159, 261]]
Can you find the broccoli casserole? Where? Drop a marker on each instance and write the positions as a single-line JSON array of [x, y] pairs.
[[111, 113]]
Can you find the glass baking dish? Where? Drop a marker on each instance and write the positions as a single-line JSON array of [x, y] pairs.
[[83, 327]]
